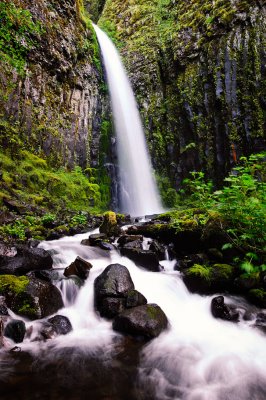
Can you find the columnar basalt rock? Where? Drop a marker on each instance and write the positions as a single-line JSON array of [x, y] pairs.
[[198, 70], [57, 100]]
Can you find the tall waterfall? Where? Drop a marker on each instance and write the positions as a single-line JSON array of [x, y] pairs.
[[138, 192]]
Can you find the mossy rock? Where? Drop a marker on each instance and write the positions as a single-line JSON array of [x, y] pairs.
[[30, 297], [207, 279], [109, 225]]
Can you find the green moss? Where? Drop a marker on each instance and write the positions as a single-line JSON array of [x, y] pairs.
[[223, 270], [15, 284], [201, 271], [17, 30], [152, 311]]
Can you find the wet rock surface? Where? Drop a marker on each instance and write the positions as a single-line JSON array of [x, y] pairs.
[[61, 324], [111, 288], [79, 267], [31, 297], [15, 330], [147, 320], [25, 260], [223, 311]]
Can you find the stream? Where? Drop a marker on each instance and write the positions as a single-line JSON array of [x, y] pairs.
[[197, 358]]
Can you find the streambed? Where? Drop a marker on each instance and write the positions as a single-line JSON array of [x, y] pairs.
[[197, 358]]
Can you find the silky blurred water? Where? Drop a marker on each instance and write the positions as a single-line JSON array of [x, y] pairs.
[[197, 358]]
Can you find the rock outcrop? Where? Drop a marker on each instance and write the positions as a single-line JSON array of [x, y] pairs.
[[198, 70]]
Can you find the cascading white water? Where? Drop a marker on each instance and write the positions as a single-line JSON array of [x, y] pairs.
[[139, 194], [197, 358]]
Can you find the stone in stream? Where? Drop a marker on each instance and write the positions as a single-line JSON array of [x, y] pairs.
[[144, 258], [61, 324], [124, 239], [15, 330], [79, 267], [111, 288], [30, 297], [26, 260], [147, 320], [94, 239], [224, 311], [158, 249]]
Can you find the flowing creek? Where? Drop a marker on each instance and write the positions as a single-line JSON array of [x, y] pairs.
[[197, 358]]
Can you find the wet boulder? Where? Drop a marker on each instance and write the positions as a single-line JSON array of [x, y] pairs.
[[158, 249], [61, 324], [261, 321], [110, 226], [30, 297], [147, 321], [223, 311], [106, 246], [134, 299], [124, 239], [44, 275], [79, 267], [114, 282], [15, 330], [94, 239], [144, 258], [26, 260], [112, 306]]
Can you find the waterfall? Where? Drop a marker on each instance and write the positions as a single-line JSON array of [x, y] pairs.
[[138, 192]]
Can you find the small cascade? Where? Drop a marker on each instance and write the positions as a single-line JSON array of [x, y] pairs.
[[138, 192], [69, 287]]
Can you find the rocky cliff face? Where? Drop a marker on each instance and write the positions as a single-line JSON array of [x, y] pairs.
[[198, 69], [52, 99]]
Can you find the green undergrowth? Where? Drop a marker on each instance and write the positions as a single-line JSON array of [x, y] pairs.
[[237, 210], [18, 32], [30, 180]]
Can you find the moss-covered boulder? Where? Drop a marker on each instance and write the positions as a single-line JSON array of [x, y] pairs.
[[30, 297], [147, 320], [207, 279], [110, 226]]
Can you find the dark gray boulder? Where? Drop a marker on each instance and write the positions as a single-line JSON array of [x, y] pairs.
[[134, 299], [158, 249], [61, 324], [96, 238], [147, 320], [124, 239], [112, 306], [26, 260], [79, 267], [15, 330], [114, 282], [144, 258], [223, 311]]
